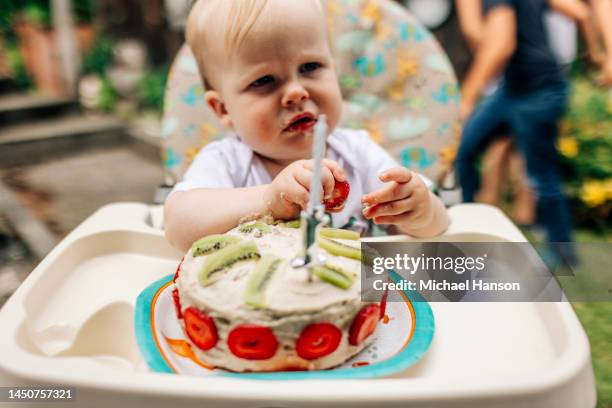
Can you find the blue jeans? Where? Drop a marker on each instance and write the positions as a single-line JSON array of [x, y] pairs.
[[532, 119]]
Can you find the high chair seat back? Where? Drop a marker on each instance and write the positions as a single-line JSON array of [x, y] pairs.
[[396, 82]]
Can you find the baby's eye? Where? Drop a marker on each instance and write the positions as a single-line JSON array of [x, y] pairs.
[[263, 81], [309, 67]]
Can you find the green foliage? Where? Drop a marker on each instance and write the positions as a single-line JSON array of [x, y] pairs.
[[108, 96], [585, 146], [152, 87], [19, 74], [37, 13], [7, 11], [83, 11], [99, 58]]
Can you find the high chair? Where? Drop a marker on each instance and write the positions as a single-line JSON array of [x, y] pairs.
[[71, 323]]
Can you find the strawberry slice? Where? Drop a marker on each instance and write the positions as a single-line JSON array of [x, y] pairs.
[[383, 303], [200, 328], [177, 303], [364, 324], [338, 198], [178, 270], [252, 342], [318, 340]]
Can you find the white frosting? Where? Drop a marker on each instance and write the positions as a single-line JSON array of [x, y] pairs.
[[293, 301]]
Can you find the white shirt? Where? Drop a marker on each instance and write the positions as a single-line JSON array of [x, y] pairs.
[[230, 163]]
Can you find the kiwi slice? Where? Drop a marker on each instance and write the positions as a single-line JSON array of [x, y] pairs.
[[339, 249], [255, 226], [226, 257], [267, 266], [297, 223], [368, 254], [334, 275], [339, 233], [212, 243]]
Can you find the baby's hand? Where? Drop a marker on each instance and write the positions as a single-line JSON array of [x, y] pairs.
[[289, 192], [404, 200]]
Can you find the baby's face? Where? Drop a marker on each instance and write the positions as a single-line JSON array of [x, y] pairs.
[[276, 85]]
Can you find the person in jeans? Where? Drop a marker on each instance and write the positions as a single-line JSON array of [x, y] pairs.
[[502, 162], [528, 103]]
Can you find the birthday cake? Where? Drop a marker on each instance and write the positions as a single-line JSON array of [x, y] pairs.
[[244, 307]]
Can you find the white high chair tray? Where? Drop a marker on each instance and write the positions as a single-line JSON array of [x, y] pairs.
[[71, 324]]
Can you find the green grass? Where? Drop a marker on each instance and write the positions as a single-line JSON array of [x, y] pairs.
[[596, 317]]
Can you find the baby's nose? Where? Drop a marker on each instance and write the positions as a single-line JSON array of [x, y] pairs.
[[295, 94]]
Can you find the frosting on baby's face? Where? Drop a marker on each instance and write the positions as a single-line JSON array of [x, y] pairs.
[[274, 84]]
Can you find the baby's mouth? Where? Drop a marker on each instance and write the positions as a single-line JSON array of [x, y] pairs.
[[301, 122]]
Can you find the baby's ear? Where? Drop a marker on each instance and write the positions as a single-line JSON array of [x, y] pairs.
[[213, 99]]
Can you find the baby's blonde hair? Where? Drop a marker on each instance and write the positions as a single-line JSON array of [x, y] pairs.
[[241, 17]]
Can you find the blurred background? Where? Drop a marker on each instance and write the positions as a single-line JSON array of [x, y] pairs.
[[81, 97]]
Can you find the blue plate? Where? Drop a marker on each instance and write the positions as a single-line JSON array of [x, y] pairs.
[[402, 338]]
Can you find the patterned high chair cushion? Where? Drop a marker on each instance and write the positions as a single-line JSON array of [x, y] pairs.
[[396, 82]]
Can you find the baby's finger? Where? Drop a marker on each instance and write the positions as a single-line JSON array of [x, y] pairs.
[[399, 174], [390, 208], [390, 192], [303, 177], [328, 181], [296, 194], [336, 169]]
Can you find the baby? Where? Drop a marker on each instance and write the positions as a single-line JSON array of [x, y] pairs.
[[268, 71]]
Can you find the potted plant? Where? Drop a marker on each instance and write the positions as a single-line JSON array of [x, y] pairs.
[[38, 46], [4, 71]]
